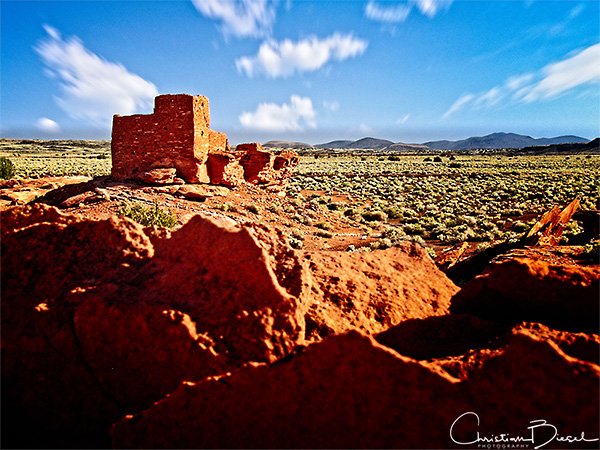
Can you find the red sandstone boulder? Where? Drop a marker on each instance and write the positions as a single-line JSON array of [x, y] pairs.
[[349, 392], [535, 290], [344, 392], [373, 291], [100, 319], [158, 176]]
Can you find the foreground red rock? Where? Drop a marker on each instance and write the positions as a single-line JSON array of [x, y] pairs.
[[349, 392], [116, 316], [523, 288], [100, 318], [373, 291]]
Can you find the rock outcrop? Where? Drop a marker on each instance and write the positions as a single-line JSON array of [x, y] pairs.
[[373, 291], [349, 392], [103, 317], [536, 290], [217, 334]]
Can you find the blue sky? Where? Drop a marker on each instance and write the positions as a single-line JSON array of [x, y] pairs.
[[314, 71]]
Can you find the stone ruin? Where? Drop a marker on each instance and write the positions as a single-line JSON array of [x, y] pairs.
[[175, 144]]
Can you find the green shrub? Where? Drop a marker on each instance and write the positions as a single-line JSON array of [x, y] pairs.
[[324, 225], [7, 169], [148, 216], [374, 216]]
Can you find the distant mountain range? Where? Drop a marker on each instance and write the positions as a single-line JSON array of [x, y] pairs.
[[502, 140], [366, 142], [491, 141], [286, 144]]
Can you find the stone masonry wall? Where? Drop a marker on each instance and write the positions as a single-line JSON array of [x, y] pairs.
[[175, 143], [177, 135]]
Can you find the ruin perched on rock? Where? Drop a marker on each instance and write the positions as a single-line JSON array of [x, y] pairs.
[[175, 144]]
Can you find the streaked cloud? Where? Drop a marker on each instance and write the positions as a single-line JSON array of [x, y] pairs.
[[402, 120], [296, 115], [47, 125], [459, 104], [332, 106], [280, 59], [241, 18], [556, 78], [399, 12], [388, 14], [92, 88], [562, 76]]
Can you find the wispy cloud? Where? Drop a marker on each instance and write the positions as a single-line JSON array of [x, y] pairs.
[[241, 18], [92, 88], [296, 115], [402, 120], [562, 76], [389, 14], [364, 128], [550, 81], [399, 12], [47, 125], [332, 106], [278, 59], [459, 104], [431, 7]]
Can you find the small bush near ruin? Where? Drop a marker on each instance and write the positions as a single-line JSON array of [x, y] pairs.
[[148, 216], [7, 169]]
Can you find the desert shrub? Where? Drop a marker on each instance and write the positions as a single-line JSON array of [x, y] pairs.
[[148, 216], [374, 216], [393, 212], [227, 207], [324, 225], [333, 206], [454, 165], [519, 226], [7, 169], [324, 234], [252, 208], [394, 158], [437, 159]]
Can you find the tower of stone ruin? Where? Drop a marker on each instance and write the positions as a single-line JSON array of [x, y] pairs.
[[176, 141], [177, 135]]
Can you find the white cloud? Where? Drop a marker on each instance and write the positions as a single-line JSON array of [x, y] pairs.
[[431, 7], [332, 106], [389, 14], [400, 12], [559, 77], [364, 128], [402, 120], [552, 80], [293, 116], [92, 88], [489, 98], [282, 59], [47, 125], [518, 81], [459, 104], [240, 18]]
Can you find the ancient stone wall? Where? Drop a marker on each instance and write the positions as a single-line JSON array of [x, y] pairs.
[[176, 135], [176, 144]]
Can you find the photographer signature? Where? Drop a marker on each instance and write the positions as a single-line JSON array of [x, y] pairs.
[[531, 438]]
